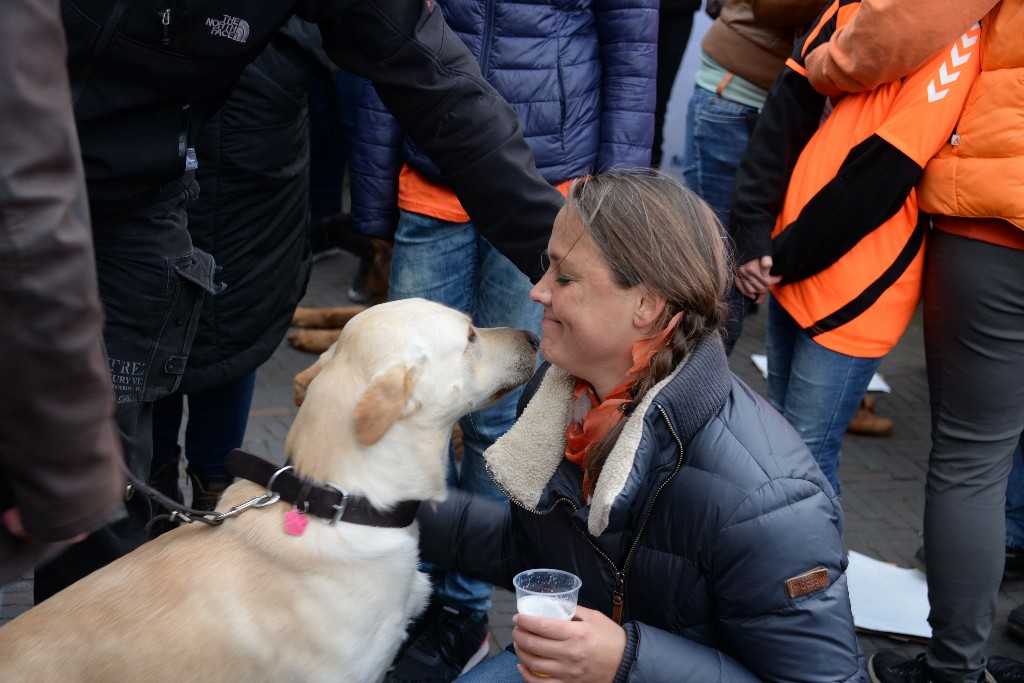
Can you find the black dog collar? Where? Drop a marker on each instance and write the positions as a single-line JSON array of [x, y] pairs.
[[328, 501]]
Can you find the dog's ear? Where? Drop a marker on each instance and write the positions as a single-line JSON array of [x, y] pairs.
[[382, 404]]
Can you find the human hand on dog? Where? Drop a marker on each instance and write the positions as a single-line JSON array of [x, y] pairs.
[[587, 649]]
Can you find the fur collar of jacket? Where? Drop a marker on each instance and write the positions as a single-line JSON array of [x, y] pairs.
[[524, 460]]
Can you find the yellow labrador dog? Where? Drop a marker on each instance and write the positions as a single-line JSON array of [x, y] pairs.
[[276, 592]]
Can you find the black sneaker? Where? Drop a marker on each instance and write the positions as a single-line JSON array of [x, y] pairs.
[[892, 667], [445, 642], [1015, 622], [1005, 670]]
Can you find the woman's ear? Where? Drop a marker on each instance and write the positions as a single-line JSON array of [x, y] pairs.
[[649, 308]]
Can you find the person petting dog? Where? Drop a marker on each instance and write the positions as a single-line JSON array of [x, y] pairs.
[[137, 127], [584, 91], [708, 541]]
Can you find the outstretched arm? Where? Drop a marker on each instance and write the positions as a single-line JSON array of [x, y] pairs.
[[432, 85]]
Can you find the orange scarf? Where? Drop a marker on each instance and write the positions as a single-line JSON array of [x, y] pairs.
[[592, 419]]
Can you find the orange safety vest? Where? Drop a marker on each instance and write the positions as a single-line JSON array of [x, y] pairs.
[[861, 303]]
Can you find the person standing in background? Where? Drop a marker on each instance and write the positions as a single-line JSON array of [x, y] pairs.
[[846, 273], [741, 54], [973, 311], [254, 158], [60, 458], [581, 77], [145, 82], [675, 23]]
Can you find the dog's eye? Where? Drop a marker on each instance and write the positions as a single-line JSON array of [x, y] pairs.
[[472, 336]]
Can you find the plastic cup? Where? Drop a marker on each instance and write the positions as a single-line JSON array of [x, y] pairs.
[[548, 593]]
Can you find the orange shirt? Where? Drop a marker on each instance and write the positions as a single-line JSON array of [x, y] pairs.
[[418, 194]]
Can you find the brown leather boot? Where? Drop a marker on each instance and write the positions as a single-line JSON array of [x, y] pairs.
[[866, 422]]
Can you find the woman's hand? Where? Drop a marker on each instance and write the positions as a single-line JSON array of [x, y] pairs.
[[753, 278], [587, 649]]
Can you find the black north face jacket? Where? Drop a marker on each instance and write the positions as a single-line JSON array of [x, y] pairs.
[[146, 74]]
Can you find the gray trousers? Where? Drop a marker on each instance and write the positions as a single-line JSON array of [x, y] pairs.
[[974, 345]]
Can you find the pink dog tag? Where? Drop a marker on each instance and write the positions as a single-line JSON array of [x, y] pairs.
[[295, 522]]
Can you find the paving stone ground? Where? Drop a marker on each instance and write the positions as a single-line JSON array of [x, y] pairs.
[[883, 478]]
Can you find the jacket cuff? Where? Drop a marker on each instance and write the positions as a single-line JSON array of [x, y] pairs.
[[629, 654], [815, 65], [751, 242]]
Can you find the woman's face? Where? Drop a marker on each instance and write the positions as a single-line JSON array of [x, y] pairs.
[[590, 323]]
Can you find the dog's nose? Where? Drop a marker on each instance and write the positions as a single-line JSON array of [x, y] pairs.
[[533, 339]]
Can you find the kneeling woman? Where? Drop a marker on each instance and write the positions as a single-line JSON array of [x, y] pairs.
[[708, 541]]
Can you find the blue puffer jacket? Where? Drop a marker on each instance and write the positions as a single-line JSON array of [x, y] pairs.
[[706, 512], [579, 73]]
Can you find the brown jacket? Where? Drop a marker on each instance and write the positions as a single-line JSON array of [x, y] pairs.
[[753, 38], [59, 448]]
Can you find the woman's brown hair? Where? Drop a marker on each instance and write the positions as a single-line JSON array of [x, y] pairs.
[[654, 232]]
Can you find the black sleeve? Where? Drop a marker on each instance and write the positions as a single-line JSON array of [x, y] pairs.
[[788, 120], [431, 83], [870, 187], [468, 534]]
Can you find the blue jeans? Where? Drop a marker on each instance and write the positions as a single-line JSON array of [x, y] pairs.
[[1015, 500], [216, 424], [452, 264], [816, 389], [717, 135], [501, 668]]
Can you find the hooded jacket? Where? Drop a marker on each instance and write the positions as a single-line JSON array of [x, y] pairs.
[[707, 513], [580, 76], [145, 75]]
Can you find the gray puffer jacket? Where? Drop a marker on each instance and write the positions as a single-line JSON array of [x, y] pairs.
[[710, 523]]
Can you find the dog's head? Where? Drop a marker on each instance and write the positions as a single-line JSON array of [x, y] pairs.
[[398, 378]]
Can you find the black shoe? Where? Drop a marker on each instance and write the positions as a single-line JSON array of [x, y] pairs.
[[445, 642], [1015, 622], [892, 667], [1005, 670]]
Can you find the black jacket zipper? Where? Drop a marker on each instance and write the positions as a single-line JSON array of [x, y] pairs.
[[619, 588]]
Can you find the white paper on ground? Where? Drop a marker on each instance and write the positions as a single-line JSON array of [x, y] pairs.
[[886, 598], [876, 383]]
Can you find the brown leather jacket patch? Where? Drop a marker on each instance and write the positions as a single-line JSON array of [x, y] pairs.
[[808, 582]]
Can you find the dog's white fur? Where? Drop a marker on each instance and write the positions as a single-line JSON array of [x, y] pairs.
[[246, 602]]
